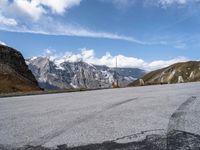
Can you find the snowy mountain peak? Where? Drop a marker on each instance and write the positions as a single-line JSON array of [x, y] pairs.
[[65, 74]]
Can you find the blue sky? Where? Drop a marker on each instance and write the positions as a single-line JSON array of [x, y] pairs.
[[156, 32]]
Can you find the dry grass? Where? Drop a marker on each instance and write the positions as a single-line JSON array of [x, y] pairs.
[[181, 69]]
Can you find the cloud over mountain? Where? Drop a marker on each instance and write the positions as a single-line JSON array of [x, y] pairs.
[[88, 55], [2, 43]]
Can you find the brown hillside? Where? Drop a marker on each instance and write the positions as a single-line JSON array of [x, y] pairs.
[[176, 73], [14, 73]]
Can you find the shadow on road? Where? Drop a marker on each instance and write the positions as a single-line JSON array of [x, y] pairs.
[[179, 140], [176, 140]]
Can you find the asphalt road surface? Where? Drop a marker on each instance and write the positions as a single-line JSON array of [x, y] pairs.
[[152, 117]]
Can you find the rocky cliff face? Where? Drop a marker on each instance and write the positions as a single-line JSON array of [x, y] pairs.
[[66, 75], [177, 73], [131, 73], [14, 73]]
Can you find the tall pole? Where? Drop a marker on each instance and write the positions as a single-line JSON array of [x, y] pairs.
[[116, 73], [116, 62]]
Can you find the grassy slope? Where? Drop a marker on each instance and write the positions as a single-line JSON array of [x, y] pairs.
[[180, 69]]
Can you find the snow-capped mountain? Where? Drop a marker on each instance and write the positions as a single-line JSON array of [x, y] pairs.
[[59, 74]]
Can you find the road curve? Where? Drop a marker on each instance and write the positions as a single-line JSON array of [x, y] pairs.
[[116, 116]]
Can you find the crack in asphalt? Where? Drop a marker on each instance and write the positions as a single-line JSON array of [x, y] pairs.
[[136, 135]]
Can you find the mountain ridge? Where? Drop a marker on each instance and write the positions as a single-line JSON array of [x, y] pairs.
[[177, 73], [66, 75], [14, 73]]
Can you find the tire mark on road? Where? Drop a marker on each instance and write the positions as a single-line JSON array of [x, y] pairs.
[[177, 124], [177, 119], [120, 103], [46, 138]]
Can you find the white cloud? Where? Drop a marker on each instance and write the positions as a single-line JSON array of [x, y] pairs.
[[169, 2], [53, 28], [45, 24], [48, 25], [3, 3], [163, 3], [71, 31], [88, 55], [51, 53], [60, 6], [7, 21], [34, 9], [164, 63], [121, 4], [2, 43]]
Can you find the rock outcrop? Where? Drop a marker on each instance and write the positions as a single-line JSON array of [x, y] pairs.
[[14, 73], [177, 73]]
